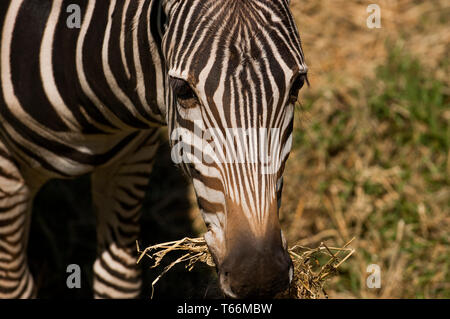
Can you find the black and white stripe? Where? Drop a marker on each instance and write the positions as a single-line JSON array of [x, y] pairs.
[[92, 99], [76, 101]]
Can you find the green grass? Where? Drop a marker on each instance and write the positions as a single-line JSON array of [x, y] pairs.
[[383, 149], [419, 103]]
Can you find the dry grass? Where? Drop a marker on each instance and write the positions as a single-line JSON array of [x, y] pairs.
[[194, 251], [341, 50], [309, 275], [365, 164]]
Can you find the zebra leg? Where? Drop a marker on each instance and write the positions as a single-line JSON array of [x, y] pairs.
[[16, 196], [118, 193]]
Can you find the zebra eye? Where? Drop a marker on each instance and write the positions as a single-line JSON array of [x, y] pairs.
[[295, 89], [181, 89]]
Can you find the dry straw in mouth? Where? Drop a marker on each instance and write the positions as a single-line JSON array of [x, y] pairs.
[[308, 281]]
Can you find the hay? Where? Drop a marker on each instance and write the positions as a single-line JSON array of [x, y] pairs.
[[308, 282]]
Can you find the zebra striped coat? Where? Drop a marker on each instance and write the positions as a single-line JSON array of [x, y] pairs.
[[91, 99]]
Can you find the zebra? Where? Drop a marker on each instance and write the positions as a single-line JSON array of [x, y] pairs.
[[93, 100]]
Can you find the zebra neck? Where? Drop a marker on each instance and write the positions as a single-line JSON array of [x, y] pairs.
[[138, 33]]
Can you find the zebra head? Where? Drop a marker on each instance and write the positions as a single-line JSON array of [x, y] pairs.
[[234, 70]]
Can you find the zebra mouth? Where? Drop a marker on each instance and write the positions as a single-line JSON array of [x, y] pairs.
[[213, 246], [226, 289]]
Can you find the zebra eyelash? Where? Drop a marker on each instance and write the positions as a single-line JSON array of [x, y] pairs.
[[183, 92], [297, 85], [181, 88]]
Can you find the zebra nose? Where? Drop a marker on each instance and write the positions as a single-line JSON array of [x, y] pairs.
[[257, 276]]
